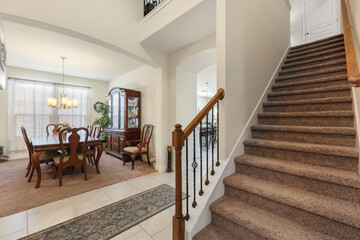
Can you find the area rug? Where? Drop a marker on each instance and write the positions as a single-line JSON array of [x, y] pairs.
[[18, 195], [110, 221]]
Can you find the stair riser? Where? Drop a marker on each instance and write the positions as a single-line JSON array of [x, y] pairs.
[[310, 77], [333, 161], [326, 121], [315, 55], [315, 51], [310, 86], [316, 222], [308, 184], [314, 95], [234, 229], [312, 62], [310, 107], [312, 69], [317, 44], [317, 138]]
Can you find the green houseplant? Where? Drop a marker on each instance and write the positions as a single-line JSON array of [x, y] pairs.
[[103, 120]]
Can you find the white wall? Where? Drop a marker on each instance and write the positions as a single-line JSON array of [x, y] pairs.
[[98, 92], [252, 37], [143, 79], [2, 73], [296, 20]]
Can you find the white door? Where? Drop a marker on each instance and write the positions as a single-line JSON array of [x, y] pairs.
[[321, 19]]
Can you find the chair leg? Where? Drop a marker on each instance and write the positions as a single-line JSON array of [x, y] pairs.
[[31, 173], [133, 156], [85, 172], [60, 176], [28, 168], [148, 157], [54, 171]]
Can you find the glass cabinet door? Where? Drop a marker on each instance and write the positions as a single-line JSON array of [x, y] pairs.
[[122, 111], [115, 110], [133, 114], [109, 111]]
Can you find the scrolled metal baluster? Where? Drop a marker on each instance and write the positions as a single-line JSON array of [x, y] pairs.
[[201, 192], [194, 165], [212, 142], [207, 150], [187, 216], [217, 134]]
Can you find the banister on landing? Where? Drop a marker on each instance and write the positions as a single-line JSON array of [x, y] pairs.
[[208, 136]]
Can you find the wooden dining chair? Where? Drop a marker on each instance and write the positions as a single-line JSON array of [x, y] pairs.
[[142, 147], [91, 152], [90, 129], [45, 157], [72, 156], [55, 130]]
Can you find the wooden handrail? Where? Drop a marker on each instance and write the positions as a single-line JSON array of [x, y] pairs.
[[192, 125], [351, 60], [178, 139]]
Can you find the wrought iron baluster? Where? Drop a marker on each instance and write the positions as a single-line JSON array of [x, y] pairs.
[[212, 142], [217, 133], [207, 150], [194, 165], [187, 216], [201, 192]]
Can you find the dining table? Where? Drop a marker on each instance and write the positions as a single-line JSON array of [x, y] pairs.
[[52, 143]]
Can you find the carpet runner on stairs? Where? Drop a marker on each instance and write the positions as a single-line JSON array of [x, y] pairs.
[[298, 177]]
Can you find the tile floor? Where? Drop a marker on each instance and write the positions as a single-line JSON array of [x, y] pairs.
[[158, 227]]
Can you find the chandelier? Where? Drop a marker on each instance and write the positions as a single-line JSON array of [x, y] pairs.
[[65, 103]]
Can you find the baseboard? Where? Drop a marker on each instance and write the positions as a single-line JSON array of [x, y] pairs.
[[201, 216]]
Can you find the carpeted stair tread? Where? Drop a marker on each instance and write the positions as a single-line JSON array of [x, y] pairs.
[[325, 41], [312, 81], [328, 207], [350, 152], [316, 54], [295, 62], [319, 49], [307, 129], [337, 62], [308, 114], [333, 70], [314, 90], [212, 232], [326, 174], [264, 223], [310, 101]]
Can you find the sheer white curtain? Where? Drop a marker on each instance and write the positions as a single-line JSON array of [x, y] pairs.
[[28, 107]]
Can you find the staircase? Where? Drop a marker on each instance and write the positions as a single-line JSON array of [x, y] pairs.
[[298, 177]]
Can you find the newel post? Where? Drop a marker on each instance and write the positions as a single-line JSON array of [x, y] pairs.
[[178, 219]]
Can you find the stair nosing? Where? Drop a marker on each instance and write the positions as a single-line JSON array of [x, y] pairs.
[[338, 36], [328, 100], [334, 70], [323, 53], [306, 129], [312, 90], [327, 58], [329, 46], [340, 77], [330, 64]]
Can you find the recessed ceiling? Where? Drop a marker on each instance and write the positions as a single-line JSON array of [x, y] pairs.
[[35, 48], [195, 25]]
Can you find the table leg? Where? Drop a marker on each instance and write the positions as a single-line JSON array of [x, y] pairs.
[[36, 162], [99, 152]]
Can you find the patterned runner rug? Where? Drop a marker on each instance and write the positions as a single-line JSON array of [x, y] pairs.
[[111, 220]]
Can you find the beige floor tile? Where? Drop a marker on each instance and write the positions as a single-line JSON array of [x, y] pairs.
[[90, 201], [128, 233], [165, 234], [15, 235], [13, 223], [122, 192], [158, 222], [48, 216], [141, 235]]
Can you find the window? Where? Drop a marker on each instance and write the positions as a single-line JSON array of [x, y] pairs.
[[28, 107]]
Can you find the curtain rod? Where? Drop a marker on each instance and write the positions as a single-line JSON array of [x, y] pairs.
[[31, 80]]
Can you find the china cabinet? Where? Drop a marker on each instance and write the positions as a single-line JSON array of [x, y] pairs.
[[124, 119]]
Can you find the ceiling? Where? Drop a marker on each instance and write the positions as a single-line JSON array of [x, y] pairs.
[[195, 25], [39, 49]]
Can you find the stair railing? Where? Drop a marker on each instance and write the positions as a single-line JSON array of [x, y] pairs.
[[179, 139], [351, 60]]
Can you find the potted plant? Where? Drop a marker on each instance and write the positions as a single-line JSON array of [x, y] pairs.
[[102, 121]]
